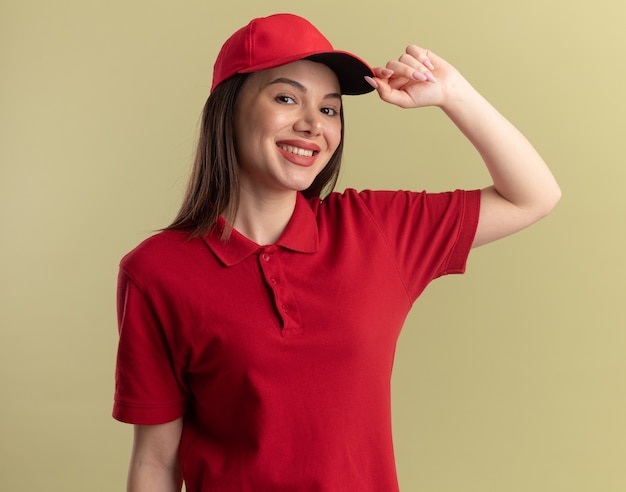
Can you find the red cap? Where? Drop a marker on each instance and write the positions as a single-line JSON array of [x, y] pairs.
[[268, 42]]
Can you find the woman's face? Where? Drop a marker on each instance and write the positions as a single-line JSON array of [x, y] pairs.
[[287, 127]]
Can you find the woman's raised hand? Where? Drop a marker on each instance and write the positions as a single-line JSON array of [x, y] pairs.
[[417, 79]]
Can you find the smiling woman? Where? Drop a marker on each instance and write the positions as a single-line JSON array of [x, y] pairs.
[[257, 335]]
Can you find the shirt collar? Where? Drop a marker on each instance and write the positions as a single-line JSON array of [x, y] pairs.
[[300, 235]]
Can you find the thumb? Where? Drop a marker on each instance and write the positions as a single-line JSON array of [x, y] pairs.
[[385, 91]]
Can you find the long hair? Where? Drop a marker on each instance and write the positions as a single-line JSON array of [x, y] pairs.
[[213, 187]]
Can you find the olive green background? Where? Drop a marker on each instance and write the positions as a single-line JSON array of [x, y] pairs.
[[510, 378]]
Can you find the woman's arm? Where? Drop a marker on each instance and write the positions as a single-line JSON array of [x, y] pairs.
[[154, 463], [523, 190]]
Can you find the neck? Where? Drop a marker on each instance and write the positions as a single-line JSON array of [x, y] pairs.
[[263, 219]]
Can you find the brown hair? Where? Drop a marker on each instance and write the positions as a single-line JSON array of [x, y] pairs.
[[213, 187]]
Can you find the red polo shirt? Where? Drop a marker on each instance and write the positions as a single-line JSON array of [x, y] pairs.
[[279, 357]]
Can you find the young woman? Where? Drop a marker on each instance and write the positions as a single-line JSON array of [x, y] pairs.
[[257, 332]]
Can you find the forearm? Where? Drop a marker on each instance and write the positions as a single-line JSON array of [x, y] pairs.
[[518, 172], [154, 463]]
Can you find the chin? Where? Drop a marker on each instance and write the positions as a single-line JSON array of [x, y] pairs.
[[299, 185]]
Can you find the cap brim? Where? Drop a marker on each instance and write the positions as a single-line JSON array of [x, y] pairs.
[[350, 70]]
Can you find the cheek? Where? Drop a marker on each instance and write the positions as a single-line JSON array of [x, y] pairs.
[[334, 137], [248, 135]]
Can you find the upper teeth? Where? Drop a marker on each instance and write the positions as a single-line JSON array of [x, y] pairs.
[[297, 150]]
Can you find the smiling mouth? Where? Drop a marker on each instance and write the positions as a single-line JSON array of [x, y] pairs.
[[298, 151]]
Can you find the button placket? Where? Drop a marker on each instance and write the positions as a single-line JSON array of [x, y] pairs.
[[284, 300]]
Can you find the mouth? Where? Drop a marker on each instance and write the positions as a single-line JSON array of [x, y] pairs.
[[298, 150]]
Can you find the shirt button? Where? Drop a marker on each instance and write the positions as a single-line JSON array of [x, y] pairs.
[[285, 309], [273, 280], [266, 256]]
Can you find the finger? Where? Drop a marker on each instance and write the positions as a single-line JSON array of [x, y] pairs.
[[410, 69], [389, 94], [421, 55], [393, 83], [371, 81], [383, 72], [419, 59], [420, 71]]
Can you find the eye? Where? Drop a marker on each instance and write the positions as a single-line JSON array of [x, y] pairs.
[[285, 99], [330, 111]]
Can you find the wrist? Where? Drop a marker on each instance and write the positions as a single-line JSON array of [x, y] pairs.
[[459, 97]]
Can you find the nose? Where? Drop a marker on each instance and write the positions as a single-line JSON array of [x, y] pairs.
[[309, 121]]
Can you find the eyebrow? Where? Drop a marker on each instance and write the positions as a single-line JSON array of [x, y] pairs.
[[301, 88]]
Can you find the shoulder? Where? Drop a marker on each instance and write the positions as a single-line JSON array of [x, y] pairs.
[[397, 199], [155, 247], [351, 198], [401, 209], [160, 253]]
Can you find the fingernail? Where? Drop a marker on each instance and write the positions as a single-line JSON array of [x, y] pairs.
[[431, 78], [371, 82], [387, 72], [428, 64], [420, 76]]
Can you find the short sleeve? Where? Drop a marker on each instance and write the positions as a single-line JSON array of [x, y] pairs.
[[148, 386], [430, 234]]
